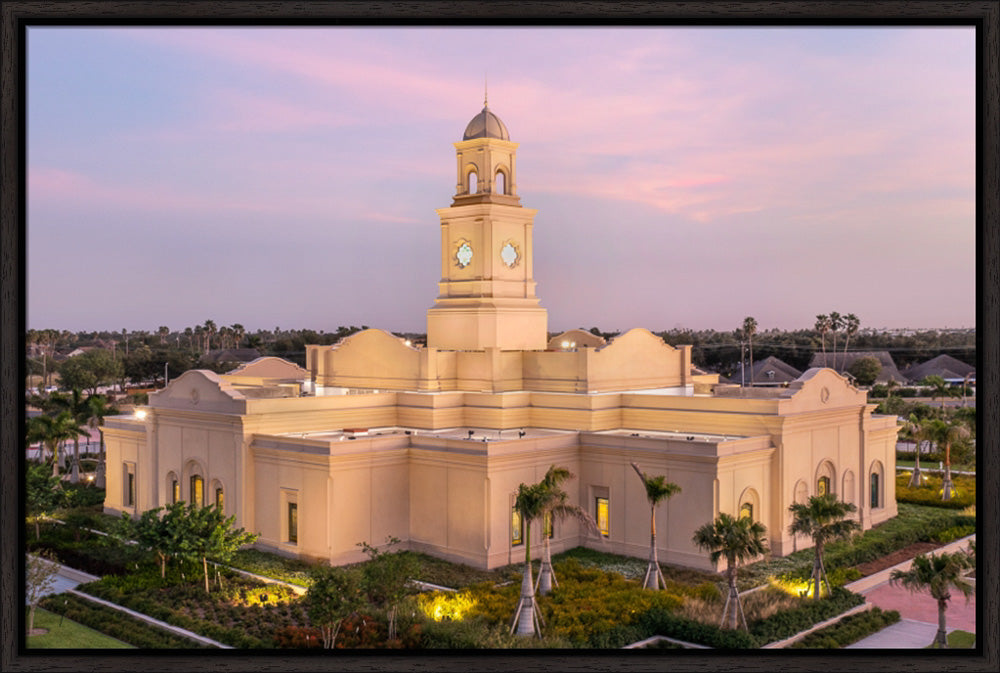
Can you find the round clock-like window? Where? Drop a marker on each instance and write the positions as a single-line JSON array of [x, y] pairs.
[[509, 254], [464, 254]]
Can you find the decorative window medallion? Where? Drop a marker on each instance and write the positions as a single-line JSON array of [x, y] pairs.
[[463, 254], [509, 254]]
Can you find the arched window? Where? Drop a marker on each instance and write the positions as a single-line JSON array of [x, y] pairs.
[[825, 475], [500, 183], [473, 184], [823, 486], [197, 493], [749, 504], [220, 501], [875, 489]]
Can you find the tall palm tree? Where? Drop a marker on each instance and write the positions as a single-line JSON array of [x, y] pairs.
[[939, 388], [851, 325], [163, 331], [530, 502], [210, 330], [239, 331], [736, 539], [52, 431], [824, 519], [99, 408], [915, 428], [822, 326], [658, 489], [937, 574], [945, 434], [556, 507], [836, 322], [749, 329]]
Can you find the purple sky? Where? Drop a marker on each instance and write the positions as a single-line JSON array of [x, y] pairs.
[[683, 176]]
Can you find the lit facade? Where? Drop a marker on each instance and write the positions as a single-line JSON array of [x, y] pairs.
[[377, 438]]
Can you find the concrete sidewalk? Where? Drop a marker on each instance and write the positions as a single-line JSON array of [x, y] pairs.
[[904, 634]]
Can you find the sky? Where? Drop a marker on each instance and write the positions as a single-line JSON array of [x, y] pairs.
[[684, 177]]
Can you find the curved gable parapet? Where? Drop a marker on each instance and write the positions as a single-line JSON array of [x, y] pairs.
[[581, 339], [821, 387], [199, 389], [270, 367], [373, 338], [636, 337]]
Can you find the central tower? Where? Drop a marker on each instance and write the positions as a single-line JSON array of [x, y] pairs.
[[486, 295]]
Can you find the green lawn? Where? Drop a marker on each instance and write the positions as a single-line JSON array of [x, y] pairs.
[[69, 635], [957, 640]]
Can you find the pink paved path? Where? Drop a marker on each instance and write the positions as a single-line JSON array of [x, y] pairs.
[[923, 608]]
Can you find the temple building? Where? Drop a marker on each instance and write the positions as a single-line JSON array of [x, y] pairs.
[[378, 437]]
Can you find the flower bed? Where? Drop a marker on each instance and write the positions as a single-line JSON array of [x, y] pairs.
[[929, 492]]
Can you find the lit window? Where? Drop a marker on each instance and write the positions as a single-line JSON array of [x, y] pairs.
[[823, 485], [175, 491], [874, 490], [603, 517], [219, 499], [746, 511], [197, 490], [548, 528], [293, 522], [516, 528]]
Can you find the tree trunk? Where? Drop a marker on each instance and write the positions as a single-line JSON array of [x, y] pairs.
[[946, 485], [55, 459], [546, 575], [99, 479], [654, 576], [74, 475], [525, 615], [942, 634], [915, 477], [204, 563], [31, 619], [163, 565], [734, 594], [818, 569]]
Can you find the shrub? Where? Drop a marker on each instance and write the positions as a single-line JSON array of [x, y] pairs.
[[953, 533], [116, 624], [849, 629], [789, 622], [661, 622], [929, 493]]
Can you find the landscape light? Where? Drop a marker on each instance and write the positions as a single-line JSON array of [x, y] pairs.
[[140, 414]]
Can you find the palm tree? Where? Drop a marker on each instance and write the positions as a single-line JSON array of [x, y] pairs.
[[939, 388], [657, 490], [556, 507], [738, 539], [937, 574], [824, 519], [851, 325], [52, 431], [946, 434], [915, 428], [749, 329], [238, 331], [823, 326], [836, 322], [163, 331], [98, 408], [210, 331], [530, 502]]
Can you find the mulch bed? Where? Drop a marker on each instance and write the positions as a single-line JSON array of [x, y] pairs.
[[904, 554]]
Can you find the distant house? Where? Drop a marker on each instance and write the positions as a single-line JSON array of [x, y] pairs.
[[950, 369], [842, 362], [771, 372], [236, 356]]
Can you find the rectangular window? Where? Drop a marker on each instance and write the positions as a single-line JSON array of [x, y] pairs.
[[293, 522], [823, 486], [516, 528], [603, 516], [175, 491], [219, 499], [129, 495], [197, 490], [874, 491]]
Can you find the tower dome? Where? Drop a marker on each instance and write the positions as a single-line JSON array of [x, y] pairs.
[[486, 125]]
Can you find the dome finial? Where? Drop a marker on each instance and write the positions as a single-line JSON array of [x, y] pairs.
[[486, 91]]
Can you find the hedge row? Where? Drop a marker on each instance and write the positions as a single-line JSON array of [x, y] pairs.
[[787, 623], [660, 622], [849, 630], [929, 494], [116, 624]]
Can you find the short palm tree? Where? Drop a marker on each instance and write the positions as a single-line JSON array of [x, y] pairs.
[[915, 428], [824, 519], [937, 574], [98, 408], [945, 434], [52, 431], [736, 539], [530, 502], [658, 489], [556, 507]]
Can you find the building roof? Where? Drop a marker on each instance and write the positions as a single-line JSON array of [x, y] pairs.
[[486, 125], [943, 365], [841, 362], [772, 371]]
